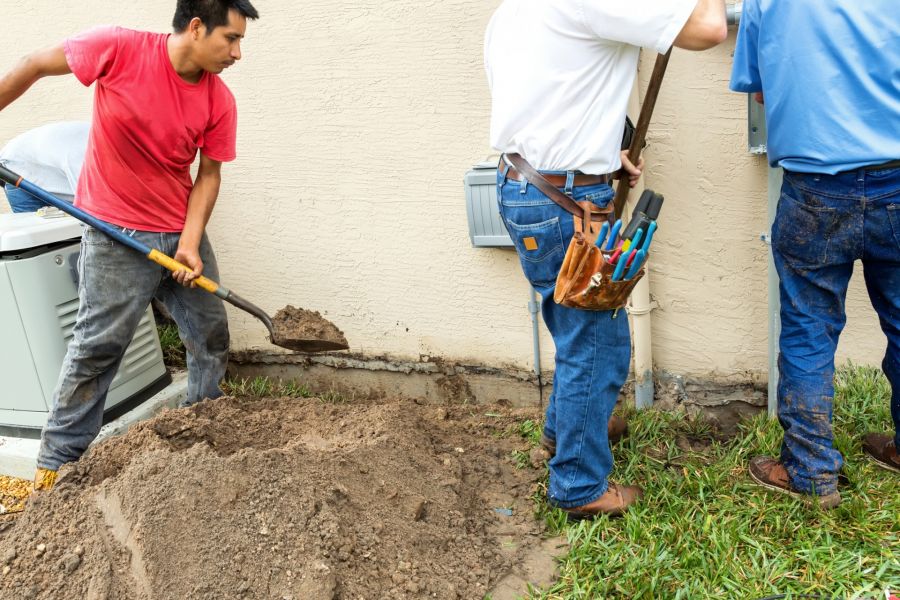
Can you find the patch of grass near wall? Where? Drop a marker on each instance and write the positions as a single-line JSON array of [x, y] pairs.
[[703, 531], [264, 387], [173, 350]]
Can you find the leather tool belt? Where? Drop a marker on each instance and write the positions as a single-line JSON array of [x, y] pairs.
[[548, 184], [585, 278]]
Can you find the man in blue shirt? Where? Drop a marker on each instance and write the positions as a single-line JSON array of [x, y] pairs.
[[829, 74]]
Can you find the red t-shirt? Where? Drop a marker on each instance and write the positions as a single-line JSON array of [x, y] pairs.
[[147, 126]]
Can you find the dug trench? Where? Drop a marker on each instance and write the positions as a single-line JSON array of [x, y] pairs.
[[285, 498]]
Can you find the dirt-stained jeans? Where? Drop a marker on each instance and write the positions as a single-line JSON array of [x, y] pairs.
[[593, 348], [115, 287], [825, 223]]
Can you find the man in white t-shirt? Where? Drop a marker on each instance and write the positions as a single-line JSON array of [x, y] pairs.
[[561, 74], [50, 157]]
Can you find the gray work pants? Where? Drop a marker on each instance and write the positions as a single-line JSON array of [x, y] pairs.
[[116, 284]]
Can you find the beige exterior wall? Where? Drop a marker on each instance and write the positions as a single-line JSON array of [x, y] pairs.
[[358, 121]]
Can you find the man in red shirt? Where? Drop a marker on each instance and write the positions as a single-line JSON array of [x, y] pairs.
[[158, 100]]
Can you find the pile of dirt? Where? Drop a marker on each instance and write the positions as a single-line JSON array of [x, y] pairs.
[[293, 325], [284, 499]]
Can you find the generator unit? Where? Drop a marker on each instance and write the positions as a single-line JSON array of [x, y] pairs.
[[38, 307]]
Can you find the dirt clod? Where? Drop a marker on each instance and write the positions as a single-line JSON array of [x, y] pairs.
[[283, 498], [70, 562], [297, 324], [539, 457]]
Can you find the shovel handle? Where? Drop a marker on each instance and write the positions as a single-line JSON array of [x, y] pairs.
[[164, 260], [640, 133]]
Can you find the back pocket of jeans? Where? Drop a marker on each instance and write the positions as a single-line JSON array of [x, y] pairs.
[[540, 249], [894, 215], [801, 232]]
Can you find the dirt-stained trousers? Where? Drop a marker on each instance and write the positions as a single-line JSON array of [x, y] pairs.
[[823, 225], [116, 284]]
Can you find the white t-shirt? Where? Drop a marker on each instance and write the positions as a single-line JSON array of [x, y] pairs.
[[49, 156], [561, 73]]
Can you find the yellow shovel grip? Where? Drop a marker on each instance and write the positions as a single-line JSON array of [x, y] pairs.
[[173, 265]]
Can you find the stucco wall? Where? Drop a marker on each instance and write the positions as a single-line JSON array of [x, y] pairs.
[[358, 121]]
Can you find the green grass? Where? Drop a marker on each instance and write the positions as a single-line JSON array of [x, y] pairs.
[[333, 396], [703, 531], [172, 348], [264, 387]]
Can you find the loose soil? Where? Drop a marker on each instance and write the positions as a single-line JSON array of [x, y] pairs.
[[293, 326], [286, 499]]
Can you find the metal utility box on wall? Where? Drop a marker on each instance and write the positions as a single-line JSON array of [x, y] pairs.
[[38, 306], [486, 228]]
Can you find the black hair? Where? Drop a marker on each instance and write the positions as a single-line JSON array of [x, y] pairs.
[[213, 13]]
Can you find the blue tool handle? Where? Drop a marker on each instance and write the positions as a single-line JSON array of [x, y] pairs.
[[636, 264], [650, 231], [636, 240], [613, 234], [15, 180], [620, 268], [602, 237]]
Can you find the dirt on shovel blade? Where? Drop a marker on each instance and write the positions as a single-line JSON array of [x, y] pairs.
[[301, 329], [278, 498]]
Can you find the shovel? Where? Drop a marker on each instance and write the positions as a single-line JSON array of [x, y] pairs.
[[640, 134], [279, 330]]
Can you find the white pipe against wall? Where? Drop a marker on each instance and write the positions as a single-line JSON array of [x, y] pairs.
[[775, 177], [733, 13], [639, 305], [639, 309], [534, 307]]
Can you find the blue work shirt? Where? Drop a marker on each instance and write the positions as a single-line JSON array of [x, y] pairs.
[[830, 74]]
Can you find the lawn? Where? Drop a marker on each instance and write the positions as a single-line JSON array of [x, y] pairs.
[[703, 531]]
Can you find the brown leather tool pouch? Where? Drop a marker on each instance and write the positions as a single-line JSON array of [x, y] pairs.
[[585, 278]]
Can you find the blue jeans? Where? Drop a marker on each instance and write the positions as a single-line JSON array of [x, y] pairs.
[[115, 287], [824, 223], [593, 348], [21, 201]]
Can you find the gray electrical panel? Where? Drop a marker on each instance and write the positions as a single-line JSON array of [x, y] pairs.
[[38, 306], [486, 228], [757, 132]]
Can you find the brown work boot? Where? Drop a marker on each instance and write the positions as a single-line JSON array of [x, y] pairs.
[[616, 427], [881, 448], [771, 474], [614, 503]]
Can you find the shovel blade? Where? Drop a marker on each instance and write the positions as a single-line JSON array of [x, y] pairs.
[[310, 346]]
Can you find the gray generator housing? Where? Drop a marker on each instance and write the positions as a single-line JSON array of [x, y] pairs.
[[38, 307]]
